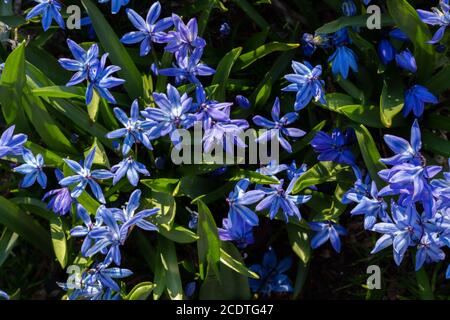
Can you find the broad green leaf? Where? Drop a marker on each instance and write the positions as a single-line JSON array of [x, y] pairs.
[[236, 265], [423, 284], [59, 241], [169, 262], [223, 72], [117, 53], [248, 58], [165, 202], [369, 153], [253, 176], [391, 100], [320, 173], [25, 226], [100, 157], [299, 240], [7, 242], [140, 291], [407, 19], [436, 144], [179, 234], [208, 243], [59, 92], [367, 115], [353, 21], [51, 158], [161, 184]]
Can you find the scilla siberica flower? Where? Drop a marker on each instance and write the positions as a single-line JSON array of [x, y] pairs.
[[4, 295], [239, 198], [309, 43], [234, 228], [100, 80], [372, 207], [277, 198], [136, 130], [438, 17], [360, 189], [61, 200], [185, 37], [84, 60], [188, 67], [32, 169], [172, 114], [207, 110], [271, 275], [406, 60], [49, 10], [327, 231], [277, 127], [149, 30], [225, 29], [243, 102], [349, 8], [131, 168], [115, 4], [342, 60], [386, 51], [402, 232], [336, 148], [85, 176], [306, 82], [12, 144], [415, 99]]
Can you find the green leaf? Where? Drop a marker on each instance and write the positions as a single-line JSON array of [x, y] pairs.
[[391, 100], [320, 173], [7, 243], [440, 82], [25, 226], [407, 19], [236, 265], [169, 263], [59, 241], [208, 243], [140, 291], [253, 176], [223, 72], [179, 234], [161, 184], [436, 144], [167, 209], [248, 58], [423, 284], [353, 21], [299, 240], [369, 153], [59, 92], [252, 13], [117, 53], [367, 115]]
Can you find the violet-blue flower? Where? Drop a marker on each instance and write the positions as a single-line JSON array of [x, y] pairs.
[[372, 207], [415, 99], [336, 148], [406, 60], [327, 231], [306, 82], [115, 4], [234, 228], [32, 169], [61, 200], [10, 143], [342, 60], [437, 17], [131, 168], [278, 127], [185, 37], [386, 51], [49, 10], [149, 30]]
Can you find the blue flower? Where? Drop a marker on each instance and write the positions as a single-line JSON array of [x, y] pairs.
[[85, 176], [278, 127], [49, 9], [193, 221], [131, 168], [10, 143], [84, 231], [386, 51], [327, 231], [129, 218], [271, 275], [342, 60], [405, 152], [415, 99], [293, 172], [243, 102], [306, 83], [185, 37], [84, 61], [360, 189], [372, 207], [225, 29], [441, 188], [171, 115], [136, 130], [341, 37], [115, 4], [225, 133], [406, 60], [149, 30], [309, 43], [398, 34], [239, 198], [61, 200], [277, 198], [429, 250], [4, 295], [100, 80], [336, 148], [272, 168], [437, 17], [188, 67], [348, 8], [236, 229], [32, 169], [404, 231], [209, 111]]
